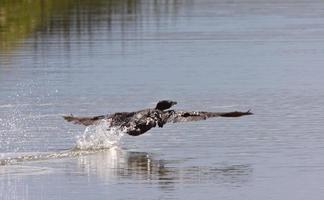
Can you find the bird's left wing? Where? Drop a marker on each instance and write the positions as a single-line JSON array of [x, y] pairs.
[[86, 121]]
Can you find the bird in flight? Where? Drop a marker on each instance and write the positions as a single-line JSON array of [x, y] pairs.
[[138, 122]]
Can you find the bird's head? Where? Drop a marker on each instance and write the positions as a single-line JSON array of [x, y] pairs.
[[165, 104]]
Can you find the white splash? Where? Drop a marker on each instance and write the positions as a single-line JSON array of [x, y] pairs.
[[99, 136]]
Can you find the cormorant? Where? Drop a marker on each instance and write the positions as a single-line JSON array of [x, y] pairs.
[[139, 122]]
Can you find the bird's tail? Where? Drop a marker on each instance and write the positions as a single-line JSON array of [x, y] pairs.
[[83, 120]]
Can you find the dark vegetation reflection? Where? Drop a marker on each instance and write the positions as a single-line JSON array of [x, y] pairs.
[[21, 19], [144, 166]]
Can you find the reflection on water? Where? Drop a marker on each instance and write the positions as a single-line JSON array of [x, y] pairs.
[[20, 19], [116, 163], [115, 166]]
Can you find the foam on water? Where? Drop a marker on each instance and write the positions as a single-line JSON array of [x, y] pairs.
[[95, 138], [99, 136], [16, 158]]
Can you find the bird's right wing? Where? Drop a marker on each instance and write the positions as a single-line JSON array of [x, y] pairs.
[[187, 116]]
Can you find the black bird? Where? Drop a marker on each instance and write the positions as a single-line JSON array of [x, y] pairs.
[[139, 122]]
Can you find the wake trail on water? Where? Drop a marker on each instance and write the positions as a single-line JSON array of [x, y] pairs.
[[95, 138]]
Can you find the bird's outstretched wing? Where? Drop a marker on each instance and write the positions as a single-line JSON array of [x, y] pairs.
[[83, 120], [187, 116]]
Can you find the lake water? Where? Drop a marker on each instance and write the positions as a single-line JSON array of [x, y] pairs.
[[98, 57]]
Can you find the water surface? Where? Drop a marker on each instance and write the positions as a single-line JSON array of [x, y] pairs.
[[98, 57]]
